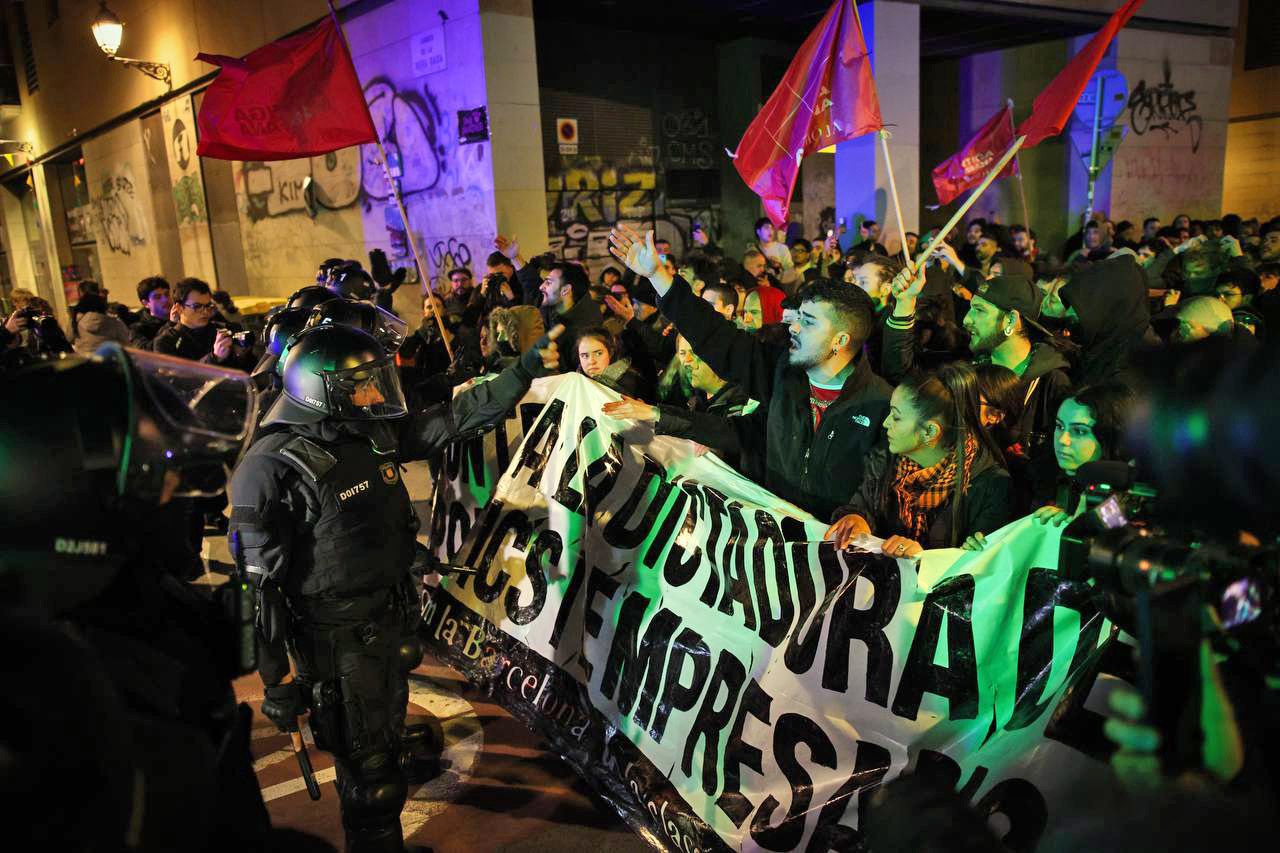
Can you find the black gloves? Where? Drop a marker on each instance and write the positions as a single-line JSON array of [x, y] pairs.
[[283, 704]]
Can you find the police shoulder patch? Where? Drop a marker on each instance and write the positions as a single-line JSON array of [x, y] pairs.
[[390, 473]]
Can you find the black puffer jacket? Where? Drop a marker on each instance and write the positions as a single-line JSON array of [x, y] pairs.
[[987, 506], [812, 471]]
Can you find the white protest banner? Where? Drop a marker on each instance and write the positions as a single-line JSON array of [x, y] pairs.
[[687, 640]]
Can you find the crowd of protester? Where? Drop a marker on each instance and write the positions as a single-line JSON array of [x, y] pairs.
[[926, 408]]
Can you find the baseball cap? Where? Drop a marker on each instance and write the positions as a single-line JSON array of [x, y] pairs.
[[1012, 293]]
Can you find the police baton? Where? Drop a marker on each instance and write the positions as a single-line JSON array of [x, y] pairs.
[[304, 761], [300, 752]]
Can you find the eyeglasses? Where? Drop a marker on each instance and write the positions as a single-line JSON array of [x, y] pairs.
[[199, 306]]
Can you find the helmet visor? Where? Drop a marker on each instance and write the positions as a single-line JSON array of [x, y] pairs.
[[186, 415], [389, 329], [369, 392]]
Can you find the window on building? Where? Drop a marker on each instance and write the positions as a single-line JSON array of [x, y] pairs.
[[24, 42], [1262, 36]]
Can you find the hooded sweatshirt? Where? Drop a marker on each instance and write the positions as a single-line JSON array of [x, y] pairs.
[[1110, 301]]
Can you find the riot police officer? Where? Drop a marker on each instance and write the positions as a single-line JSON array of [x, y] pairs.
[[325, 529], [154, 754]]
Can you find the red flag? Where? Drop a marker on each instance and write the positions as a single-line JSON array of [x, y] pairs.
[[1052, 108], [826, 96], [965, 169], [297, 97]]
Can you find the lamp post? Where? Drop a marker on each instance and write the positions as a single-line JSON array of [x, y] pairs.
[[108, 32]]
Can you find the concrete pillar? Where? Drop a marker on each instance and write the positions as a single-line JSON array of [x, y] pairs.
[[44, 254], [511, 86], [892, 31]]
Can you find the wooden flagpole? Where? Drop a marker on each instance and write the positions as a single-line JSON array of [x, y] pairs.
[[893, 190], [404, 214], [973, 196], [1022, 190]]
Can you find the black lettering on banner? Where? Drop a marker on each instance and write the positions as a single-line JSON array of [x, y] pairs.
[[1044, 593], [1071, 722], [717, 513], [547, 548], [733, 562], [459, 526], [577, 574], [848, 623], [632, 657], [528, 415], [1024, 807], [566, 495], [617, 532], [501, 448], [802, 645], [870, 766], [472, 462], [791, 731], [770, 548], [737, 752], [539, 444], [680, 566], [484, 528], [598, 583], [729, 674], [689, 645], [958, 681], [488, 590], [602, 475]]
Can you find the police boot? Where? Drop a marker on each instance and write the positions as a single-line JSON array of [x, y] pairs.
[[420, 754], [383, 838]]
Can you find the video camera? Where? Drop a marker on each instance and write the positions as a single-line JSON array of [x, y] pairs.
[[1198, 555]]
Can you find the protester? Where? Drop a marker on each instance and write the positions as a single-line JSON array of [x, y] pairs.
[[1088, 428], [940, 482], [1202, 317], [822, 399], [599, 357], [776, 253]]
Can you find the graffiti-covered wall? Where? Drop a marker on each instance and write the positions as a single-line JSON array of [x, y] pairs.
[[123, 220], [1172, 158], [624, 140], [419, 69]]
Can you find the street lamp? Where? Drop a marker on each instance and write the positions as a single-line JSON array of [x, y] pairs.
[[108, 32]]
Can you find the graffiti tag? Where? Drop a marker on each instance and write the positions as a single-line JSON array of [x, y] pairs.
[[1163, 108]]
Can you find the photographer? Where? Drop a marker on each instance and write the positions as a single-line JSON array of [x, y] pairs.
[[192, 333], [31, 333]]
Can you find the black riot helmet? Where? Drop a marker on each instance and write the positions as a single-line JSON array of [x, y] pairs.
[[90, 445], [337, 372], [326, 268], [389, 329], [280, 327], [350, 281], [309, 297]]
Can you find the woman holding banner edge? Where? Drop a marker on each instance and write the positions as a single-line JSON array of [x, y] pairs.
[[942, 480]]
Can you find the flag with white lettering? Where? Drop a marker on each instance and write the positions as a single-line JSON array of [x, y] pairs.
[[967, 168]]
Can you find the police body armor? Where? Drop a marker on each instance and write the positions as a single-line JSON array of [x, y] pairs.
[[361, 528]]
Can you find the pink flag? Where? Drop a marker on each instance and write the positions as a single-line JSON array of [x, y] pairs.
[[827, 96], [966, 168]]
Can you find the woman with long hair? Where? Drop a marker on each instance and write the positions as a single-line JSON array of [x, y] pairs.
[[1089, 428], [941, 483], [599, 357]]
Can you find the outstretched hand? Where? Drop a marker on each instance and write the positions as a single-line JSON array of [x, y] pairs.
[[635, 251], [625, 311], [631, 409], [549, 350]]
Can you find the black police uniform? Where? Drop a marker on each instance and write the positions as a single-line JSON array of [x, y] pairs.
[[325, 522]]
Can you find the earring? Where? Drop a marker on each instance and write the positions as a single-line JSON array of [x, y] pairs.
[[1008, 331]]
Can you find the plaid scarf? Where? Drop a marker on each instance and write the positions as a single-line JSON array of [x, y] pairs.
[[920, 491]]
